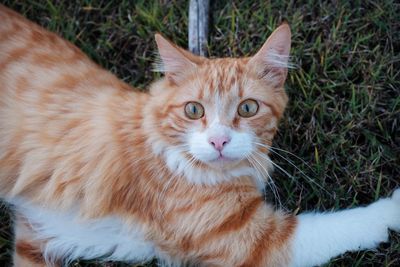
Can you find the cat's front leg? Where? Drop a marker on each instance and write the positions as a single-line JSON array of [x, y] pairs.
[[322, 236]]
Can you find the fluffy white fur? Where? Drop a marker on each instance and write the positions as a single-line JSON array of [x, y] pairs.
[[274, 59], [322, 236], [179, 165], [70, 239]]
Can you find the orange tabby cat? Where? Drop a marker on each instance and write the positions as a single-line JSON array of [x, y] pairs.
[[96, 169]]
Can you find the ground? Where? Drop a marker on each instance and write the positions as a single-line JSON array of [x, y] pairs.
[[341, 129]]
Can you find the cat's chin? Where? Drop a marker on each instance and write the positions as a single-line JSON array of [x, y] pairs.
[[223, 162], [211, 170]]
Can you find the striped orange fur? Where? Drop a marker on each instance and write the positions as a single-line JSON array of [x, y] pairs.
[[96, 169], [73, 136]]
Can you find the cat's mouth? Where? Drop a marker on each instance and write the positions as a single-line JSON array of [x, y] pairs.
[[223, 160]]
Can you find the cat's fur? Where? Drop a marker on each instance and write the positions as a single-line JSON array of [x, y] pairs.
[[96, 169]]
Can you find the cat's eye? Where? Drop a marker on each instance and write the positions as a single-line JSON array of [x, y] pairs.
[[248, 108], [194, 110]]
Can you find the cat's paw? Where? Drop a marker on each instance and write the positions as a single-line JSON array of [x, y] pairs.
[[390, 210], [396, 195], [396, 202], [387, 211]]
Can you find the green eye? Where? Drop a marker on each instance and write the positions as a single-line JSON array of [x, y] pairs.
[[248, 108], [194, 110]]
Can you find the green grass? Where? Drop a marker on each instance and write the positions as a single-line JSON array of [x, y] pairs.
[[344, 111]]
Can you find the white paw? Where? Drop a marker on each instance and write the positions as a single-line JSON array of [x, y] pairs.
[[392, 209], [396, 195], [387, 211]]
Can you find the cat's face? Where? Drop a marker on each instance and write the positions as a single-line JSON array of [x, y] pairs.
[[220, 115]]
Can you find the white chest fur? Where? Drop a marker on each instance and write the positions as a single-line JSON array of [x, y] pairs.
[[70, 238]]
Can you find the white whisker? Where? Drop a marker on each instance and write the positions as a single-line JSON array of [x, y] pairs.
[[270, 181], [288, 152], [292, 164]]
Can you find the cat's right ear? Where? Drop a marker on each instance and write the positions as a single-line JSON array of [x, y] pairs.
[[272, 60], [176, 63]]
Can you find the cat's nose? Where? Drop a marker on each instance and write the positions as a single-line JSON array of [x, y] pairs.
[[219, 142]]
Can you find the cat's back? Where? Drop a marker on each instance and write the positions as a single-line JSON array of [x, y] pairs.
[[32, 57], [42, 74], [55, 104]]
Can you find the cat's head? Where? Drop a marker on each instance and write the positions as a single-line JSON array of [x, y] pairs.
[[213, 119]]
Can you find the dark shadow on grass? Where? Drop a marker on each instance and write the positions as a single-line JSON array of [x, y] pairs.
[[6, 235]]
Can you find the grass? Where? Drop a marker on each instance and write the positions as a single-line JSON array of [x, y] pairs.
[[344, 114]]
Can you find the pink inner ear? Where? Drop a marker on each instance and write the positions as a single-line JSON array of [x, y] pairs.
[[271, 61], [174, 63]]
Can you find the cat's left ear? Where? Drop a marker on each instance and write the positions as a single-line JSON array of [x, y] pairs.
[[272, 60]]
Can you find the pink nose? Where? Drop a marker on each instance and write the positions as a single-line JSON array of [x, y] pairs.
[[219, 142]]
